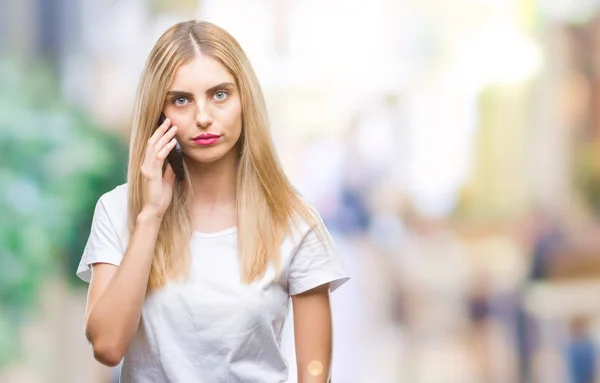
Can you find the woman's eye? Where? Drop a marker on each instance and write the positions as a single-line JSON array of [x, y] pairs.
[[220, 95], [179, 101]]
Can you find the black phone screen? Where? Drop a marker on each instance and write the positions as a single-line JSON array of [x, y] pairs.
[[175, 157]]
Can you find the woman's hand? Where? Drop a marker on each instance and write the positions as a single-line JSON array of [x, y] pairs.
[[157, 189]]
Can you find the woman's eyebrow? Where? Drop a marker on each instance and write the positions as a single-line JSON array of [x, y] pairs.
[[221, 86], [210, 91], [179, 93]]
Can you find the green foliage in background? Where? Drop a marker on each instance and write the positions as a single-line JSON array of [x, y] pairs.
[[54, 164]]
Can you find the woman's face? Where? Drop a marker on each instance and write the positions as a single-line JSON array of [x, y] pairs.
[[204, 103]]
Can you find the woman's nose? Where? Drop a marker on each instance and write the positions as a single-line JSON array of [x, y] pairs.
[[203, 117]]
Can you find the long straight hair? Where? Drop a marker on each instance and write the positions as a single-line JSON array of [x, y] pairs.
[[267, 204]]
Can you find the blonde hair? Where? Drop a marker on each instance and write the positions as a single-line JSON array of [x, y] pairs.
[[267, 204]]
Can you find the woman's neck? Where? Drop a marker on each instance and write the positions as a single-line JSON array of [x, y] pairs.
[[213, 184]]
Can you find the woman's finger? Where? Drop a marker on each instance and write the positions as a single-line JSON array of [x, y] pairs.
[[160, 131], [164, 152], [165, 139]]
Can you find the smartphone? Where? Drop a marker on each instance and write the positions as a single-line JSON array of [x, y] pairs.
[[175, 157]]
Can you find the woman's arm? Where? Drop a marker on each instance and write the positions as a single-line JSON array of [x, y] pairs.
[[313, 334], [116, 295]]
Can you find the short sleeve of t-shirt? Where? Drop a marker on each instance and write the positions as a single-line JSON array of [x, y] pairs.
[[315, 263], [105, 243]]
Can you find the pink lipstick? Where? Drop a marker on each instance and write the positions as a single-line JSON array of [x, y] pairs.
[[206, 139]]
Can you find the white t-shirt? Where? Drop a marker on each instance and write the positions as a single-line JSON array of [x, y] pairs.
[[211, 328]]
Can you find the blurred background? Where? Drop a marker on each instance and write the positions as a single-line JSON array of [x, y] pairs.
[[453, 148]]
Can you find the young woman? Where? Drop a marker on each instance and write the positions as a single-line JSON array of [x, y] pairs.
[[190, 279]]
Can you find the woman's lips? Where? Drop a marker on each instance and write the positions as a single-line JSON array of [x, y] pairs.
[[206, 139]]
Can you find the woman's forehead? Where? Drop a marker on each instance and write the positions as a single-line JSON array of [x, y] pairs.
[[201, 73]]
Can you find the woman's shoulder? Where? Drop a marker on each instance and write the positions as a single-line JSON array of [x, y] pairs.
[[306, 221], [113, 205], [116, 197]]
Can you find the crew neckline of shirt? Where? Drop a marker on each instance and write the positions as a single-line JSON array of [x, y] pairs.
[[216, 234]]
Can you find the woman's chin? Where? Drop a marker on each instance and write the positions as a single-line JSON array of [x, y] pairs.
[[207, 157]]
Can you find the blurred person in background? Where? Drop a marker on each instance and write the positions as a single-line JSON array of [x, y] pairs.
[[547, 237], [190, 280], [581, 352]]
